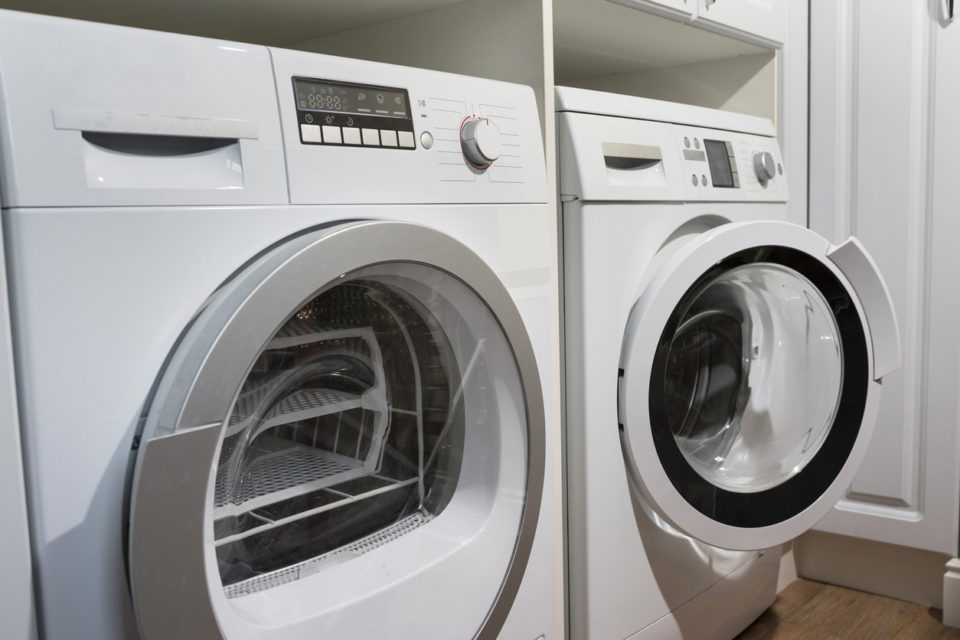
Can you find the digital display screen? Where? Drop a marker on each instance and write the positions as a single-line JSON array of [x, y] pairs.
[[331, 97], [721, 172]]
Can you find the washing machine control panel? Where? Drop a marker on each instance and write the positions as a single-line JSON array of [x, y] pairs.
[[722, 163], [331, 112], [764, 166], [628, 149], [726, 165]]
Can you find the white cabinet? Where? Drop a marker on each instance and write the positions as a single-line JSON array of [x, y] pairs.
[[760, 20], [884, 134]]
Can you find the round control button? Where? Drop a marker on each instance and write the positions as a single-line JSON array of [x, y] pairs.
[[695, 180], [426, 139], [696, 143], [764, 166], [686, 142], [703, 179], [479, 141]]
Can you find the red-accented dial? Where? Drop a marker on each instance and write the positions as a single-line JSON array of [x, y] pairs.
[[480, 141]]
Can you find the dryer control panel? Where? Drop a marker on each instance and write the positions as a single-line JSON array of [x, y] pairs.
[[338, 113], [366, 132]]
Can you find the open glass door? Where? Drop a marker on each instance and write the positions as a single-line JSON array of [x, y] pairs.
[[750, 380], [348, 442]]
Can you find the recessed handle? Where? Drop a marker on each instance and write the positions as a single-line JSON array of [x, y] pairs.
[[617, 155], [947, 8], [139, 144], [122, 122]]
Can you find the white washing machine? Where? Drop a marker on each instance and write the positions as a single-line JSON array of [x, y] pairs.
[[723, 366], [281, 346]]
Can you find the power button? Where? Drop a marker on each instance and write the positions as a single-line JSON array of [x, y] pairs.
[[426, 140]]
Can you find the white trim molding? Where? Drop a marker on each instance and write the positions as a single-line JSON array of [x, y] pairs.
[[951, 593]]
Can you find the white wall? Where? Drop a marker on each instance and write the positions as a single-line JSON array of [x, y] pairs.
[[745, 84]]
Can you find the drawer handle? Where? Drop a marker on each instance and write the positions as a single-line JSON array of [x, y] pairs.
[[119, 122]]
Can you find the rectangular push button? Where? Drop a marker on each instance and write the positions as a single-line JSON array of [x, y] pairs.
[[351, 135], [371, 137], [310, 133], [331, 135], [406, 139], [388, 137]]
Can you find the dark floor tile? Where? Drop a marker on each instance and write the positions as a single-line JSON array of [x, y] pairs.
[[788, 630], [917, 622], [794, 596], [760, 627], [848, 614]]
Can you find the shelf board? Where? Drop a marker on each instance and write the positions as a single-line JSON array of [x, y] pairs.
[[599, 38], [276, 23]]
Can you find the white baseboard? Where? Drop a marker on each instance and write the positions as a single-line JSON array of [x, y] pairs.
[[915, 575], [951, 593]]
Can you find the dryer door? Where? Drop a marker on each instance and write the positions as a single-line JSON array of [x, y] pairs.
[[750, 378], [347, 443]]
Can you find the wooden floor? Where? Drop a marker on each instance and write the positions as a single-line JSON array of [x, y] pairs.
[[814, 611]]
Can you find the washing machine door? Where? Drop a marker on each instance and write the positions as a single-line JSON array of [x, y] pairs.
[[347, 443], [750, 378]]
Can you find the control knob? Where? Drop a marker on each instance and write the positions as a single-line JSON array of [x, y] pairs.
[[480, 141], [764, 165]]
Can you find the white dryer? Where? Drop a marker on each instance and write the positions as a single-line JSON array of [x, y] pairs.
[[723, 366], [281, 347]]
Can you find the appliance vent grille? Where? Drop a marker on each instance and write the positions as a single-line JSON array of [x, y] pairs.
[[314, 565]]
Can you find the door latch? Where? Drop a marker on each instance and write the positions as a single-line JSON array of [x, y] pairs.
[[947, 8]]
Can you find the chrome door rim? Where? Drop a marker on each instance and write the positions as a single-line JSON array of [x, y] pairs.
[[199, 386]]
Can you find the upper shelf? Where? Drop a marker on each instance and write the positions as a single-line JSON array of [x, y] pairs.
[[597, 38], [276, 23]]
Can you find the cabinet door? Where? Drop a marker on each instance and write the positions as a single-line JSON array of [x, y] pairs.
[[761, 21], [883, 131]]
